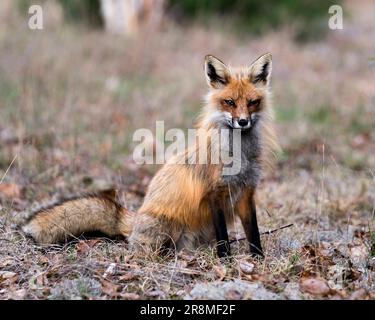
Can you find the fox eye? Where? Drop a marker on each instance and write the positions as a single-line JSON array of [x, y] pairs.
[[229, 102], [253, 103]]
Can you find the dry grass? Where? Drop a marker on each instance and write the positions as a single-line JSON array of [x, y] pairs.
[[71, 98]]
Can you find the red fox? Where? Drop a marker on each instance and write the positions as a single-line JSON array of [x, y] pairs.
[[188, 204]]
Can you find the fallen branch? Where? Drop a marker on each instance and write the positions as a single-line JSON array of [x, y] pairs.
[[265, 232], [274, 230]]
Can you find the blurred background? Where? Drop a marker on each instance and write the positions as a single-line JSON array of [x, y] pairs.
[[72, 94]]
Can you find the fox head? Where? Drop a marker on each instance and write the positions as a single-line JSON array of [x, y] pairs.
[[237, 96]]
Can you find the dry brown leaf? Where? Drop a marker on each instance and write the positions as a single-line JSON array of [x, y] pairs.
[[85, 246], [259, 277], [110, 288], [233, 295], [127, 277], [314, 286], [10, 190], [221, 271], [155, 293], [130, 296], [5, 275], [190, 259], [6, 262], [43, 260]]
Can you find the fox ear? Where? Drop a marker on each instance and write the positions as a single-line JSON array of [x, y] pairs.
[[217, 73], [260, 69]]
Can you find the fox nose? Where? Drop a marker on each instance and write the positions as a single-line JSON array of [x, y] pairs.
[[243, 122]]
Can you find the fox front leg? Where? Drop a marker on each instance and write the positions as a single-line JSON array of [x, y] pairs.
[[250, 225], [220, 226], [254, 242]]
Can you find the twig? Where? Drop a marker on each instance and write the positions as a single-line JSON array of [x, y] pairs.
[[6, 172], [274, 230], [266, 232], [268, 213]]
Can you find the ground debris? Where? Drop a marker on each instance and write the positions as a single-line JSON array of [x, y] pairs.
[[237, 289]]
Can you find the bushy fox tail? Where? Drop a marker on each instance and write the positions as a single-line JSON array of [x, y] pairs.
[[72, 217]]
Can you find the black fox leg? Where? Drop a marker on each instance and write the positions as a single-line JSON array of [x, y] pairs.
[[220, 226], [250, 225], [254, 237]]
